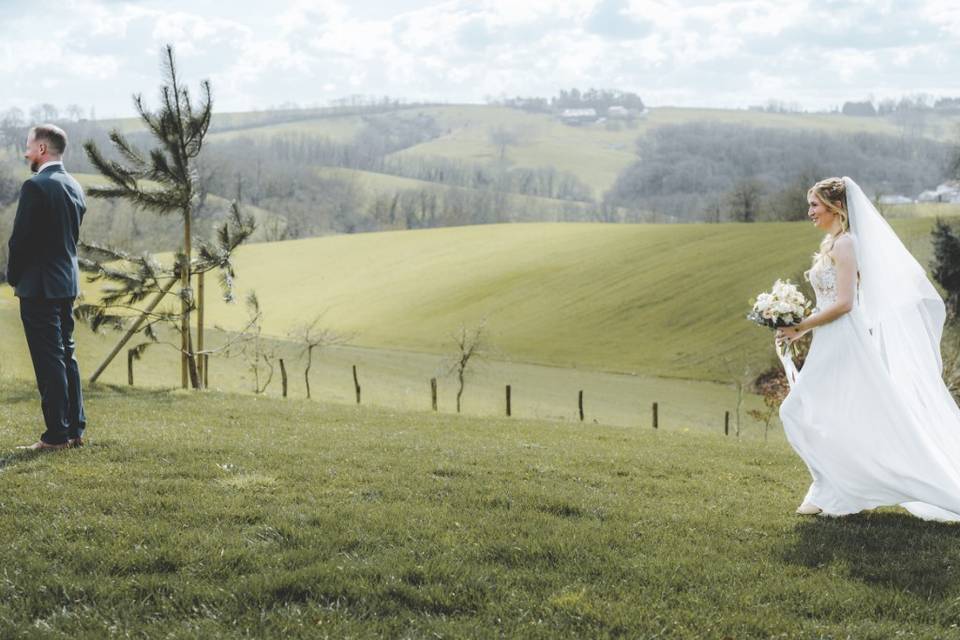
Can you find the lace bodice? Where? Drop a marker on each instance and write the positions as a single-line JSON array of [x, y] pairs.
[[823, 278]]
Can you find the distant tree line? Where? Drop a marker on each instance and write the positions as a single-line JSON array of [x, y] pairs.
[[715, 172], [599, 99], [544, 182]]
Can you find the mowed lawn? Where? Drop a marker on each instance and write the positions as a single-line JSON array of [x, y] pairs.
[[223, 516]]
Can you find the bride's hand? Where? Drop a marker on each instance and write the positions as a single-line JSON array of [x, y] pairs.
[[789, 334]]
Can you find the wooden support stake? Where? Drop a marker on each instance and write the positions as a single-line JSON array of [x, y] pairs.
[[206, 371], [726, 423], [283, 377], [508, 401], [132, 330], [580, 403], [656, 422], [130, 355], [356, 383], [433, 393]]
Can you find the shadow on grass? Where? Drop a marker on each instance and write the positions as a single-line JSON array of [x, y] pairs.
[[891, 549], [23, 455]]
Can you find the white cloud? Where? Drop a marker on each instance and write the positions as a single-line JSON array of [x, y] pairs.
[[729, 52]]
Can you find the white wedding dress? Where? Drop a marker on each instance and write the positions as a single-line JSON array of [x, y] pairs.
[[868, 413]]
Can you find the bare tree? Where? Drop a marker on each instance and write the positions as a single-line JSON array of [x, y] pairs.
[[502, 138], [470, 342], [13, 128], [742, 374], [744, 199], [45, 112], [256, 349], [75, 112], [312, 336]]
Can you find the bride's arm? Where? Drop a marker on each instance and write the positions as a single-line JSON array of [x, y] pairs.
[[846, 259]]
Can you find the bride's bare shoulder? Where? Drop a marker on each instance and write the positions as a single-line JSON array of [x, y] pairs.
[[844, 240], [844, 249]]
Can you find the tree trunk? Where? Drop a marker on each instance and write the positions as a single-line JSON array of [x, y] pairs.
[[185, 301], [200, 362], [306, 372], [460, 391]]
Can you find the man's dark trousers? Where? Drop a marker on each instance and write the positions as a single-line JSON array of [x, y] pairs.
[[48, 325]]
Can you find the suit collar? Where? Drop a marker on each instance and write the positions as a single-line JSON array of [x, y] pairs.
[[50, 167]]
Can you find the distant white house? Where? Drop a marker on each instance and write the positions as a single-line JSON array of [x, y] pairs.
[[946, 192], [616, 111], [578, 116]]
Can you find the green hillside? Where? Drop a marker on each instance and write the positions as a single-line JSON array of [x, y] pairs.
[[664, 300], [339, 129]]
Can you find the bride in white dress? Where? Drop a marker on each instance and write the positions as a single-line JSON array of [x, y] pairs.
[[869, 412]]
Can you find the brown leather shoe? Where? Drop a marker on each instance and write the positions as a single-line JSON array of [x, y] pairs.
[[40, 445], [75, 442]]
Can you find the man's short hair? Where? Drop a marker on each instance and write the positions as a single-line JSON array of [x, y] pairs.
[[54, 136]]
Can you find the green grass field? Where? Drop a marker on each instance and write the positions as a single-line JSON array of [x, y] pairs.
[[223, 516]]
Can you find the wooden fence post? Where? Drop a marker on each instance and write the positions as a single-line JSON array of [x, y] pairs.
[[206, 371], [580, 404], [283, 377], [655, 420], [130, 355], [433, 393], [356, 383], [726, 423], [508, 401]]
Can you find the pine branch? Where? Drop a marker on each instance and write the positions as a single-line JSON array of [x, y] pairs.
[[99, 253], [127, 151], [153, 122]]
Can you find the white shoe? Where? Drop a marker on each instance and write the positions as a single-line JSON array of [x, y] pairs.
[[807, 509]]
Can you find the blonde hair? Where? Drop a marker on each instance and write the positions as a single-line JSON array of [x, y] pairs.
[[832, 192]]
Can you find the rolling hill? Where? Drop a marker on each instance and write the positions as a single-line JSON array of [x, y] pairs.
[[662, 300]]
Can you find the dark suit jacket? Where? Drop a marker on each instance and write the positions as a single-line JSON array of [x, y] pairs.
[[42, 257]]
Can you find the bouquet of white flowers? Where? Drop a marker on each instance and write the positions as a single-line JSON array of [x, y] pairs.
[[784, 306]]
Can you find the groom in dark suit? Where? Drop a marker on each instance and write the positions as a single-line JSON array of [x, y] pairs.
[[42, 268]]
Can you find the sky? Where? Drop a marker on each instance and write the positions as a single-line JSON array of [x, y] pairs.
[[729, 53]]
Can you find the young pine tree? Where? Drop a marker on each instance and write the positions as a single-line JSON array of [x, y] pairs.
[[164, 181]]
